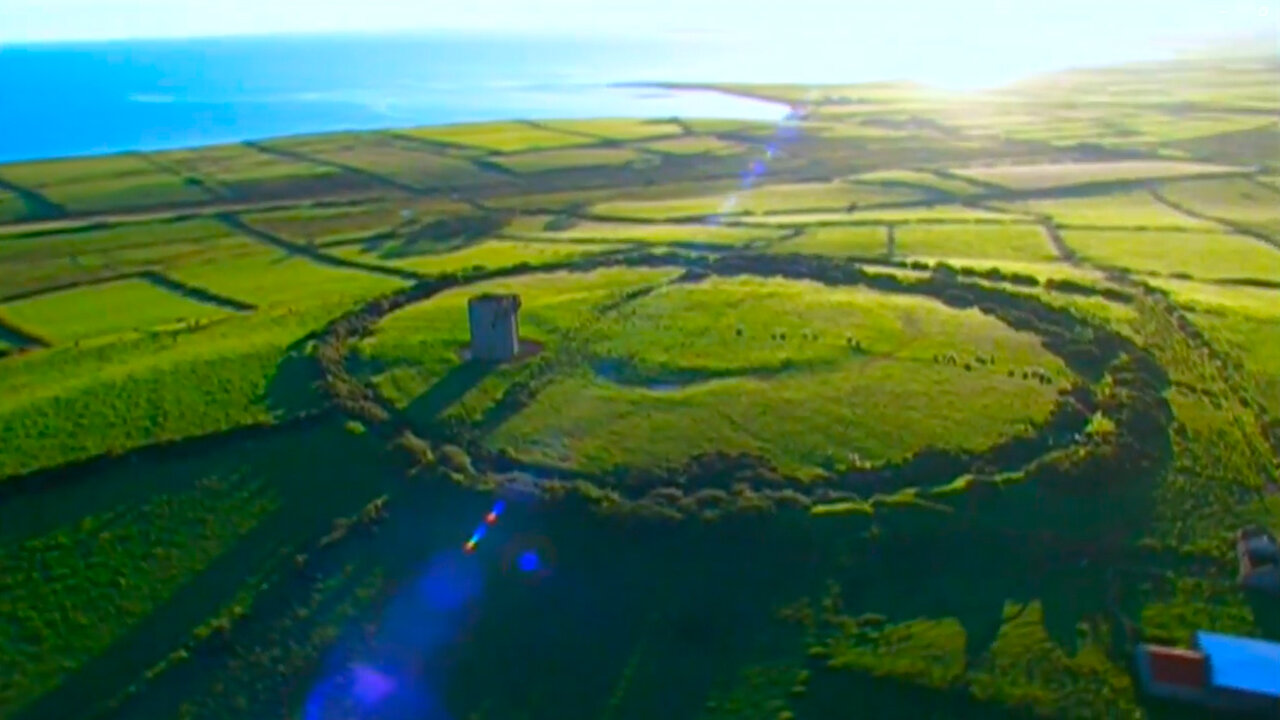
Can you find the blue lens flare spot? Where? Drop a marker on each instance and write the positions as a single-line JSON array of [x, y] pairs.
[[528, 561], [370, 686]]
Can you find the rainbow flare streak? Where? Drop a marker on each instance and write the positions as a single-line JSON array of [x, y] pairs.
[[489, 519]]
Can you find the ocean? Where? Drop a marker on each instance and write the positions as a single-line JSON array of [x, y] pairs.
[[68, 99]]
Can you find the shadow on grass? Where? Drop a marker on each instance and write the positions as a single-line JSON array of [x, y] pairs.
[[1266, 614], [40, 503], [294, 388], [317, 474], [836, 694], [450, 389]]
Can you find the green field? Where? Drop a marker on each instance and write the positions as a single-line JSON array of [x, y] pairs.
[[11, 207], [804, 425], [324, 225], [792, 400], [240, 170], [105, 309], [119, 182], [503, 137], [917, 178], [535, 228], [854, 240], [930, 214], [766, 199], [68, 404], [996, 242], [1036, 177], [386, 160], [420, 345], [705, 145], [486, 254], [1253, 206], [616, 128], [268, 278], [1201, 255], [545, 160], [1122, 210], [33, 262]]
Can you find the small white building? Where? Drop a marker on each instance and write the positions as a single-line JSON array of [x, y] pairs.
[[495, 327]]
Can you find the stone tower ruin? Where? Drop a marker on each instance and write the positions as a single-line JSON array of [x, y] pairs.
[[495, 326]]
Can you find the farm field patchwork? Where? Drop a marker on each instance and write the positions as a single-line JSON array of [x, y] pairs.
[[244, 439], [114, 183], [242, 170], [29, 263], [386, 160]]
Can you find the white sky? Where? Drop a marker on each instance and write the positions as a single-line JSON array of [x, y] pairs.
[[942, 24]]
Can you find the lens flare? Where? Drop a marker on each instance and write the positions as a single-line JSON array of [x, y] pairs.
[[788, 128], [369, 686], [490, 518]]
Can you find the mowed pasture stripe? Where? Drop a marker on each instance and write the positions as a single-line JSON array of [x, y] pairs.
[[240, 226], [196, 294]]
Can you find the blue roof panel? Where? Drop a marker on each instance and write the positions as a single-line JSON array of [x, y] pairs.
[[1245, 664]]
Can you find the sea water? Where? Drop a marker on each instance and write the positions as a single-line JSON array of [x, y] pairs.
[[81, 98]]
